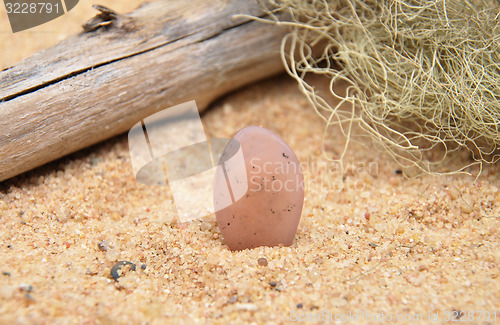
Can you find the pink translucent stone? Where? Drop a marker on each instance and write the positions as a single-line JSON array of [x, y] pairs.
[[267, 191]]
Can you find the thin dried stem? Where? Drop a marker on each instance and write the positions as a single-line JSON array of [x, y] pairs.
[[424, 74]]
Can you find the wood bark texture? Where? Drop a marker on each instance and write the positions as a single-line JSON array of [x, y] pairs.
[[123, 68]]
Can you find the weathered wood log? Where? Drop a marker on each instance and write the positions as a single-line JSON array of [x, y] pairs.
[[122, 68]]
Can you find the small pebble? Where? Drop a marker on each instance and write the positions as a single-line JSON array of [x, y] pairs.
[[95, 161], [263, 204], [262, 261], [143, 266], [233, 299], [103, 245], [247, 307], [300, 305], [6, 273], [205, 226], [273, 283], [26, 287], [116, 270]]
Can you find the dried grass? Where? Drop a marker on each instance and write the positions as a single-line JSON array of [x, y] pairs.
[[424, 76]]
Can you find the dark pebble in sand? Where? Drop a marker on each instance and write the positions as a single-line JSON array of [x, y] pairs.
[[26, 287], [116, 269]]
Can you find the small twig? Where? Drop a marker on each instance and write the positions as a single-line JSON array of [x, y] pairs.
[[383, 259], [487, 217], [410, 247], [365, 272], [461, 197], [418, 198]]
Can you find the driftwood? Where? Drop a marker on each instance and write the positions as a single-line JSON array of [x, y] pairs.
[[122, 68]]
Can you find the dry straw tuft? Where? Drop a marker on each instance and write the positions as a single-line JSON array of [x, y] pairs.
[[422, 75]]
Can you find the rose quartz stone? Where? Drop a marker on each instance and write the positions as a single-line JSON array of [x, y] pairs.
[[258, 190]]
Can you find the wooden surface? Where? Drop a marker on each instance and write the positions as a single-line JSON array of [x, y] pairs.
[[97, 84]]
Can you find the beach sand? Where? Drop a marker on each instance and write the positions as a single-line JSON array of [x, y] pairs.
[[372, 246]]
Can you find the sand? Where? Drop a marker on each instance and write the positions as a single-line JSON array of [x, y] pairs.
[[379, 249]]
